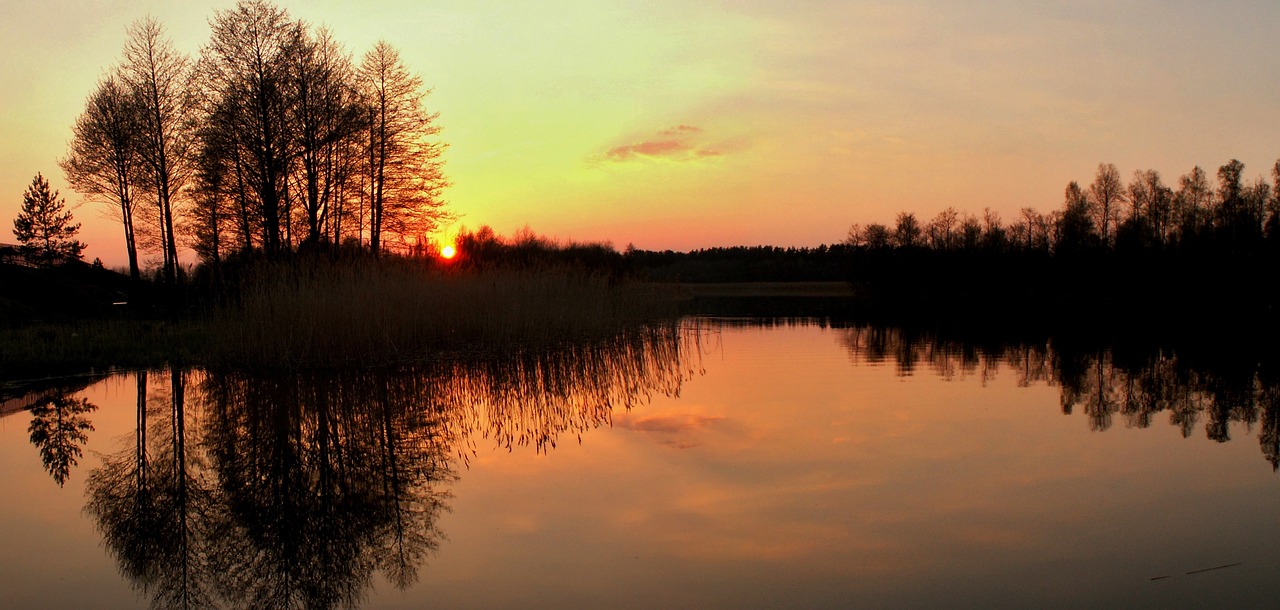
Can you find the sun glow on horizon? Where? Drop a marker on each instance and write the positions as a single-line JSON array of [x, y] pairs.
[[448, 251]]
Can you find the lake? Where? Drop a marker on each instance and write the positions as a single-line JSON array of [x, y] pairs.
[[720, 463]]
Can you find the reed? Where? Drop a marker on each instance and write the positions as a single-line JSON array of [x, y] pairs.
[[309, 313], [339, 313]]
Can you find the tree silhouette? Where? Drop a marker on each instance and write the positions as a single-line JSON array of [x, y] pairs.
[[158, 78], [1075, 227], [43, 225], [1105, 195], [405, 176], [907, 231], [328, 119], [244, 74], [59, 427], [103, 161]]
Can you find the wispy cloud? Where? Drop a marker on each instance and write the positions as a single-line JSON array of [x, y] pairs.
[[679, 143], [679, 431]]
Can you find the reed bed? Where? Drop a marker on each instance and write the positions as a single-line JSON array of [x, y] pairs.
[[344, 313]]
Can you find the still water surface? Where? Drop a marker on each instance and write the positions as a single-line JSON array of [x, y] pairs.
[[718, 465]]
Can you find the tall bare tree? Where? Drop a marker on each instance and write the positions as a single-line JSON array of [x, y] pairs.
[[158, 78], [329, 122], [245, 72], [103, 162], [1150, 206], [405, 174]]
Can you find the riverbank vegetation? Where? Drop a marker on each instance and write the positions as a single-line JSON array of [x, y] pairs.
[[364, 310], [320, 311]]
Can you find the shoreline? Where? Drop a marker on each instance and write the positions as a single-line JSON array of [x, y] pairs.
[[764, 289]]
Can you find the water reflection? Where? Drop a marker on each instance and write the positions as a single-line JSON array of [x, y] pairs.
[[59, 428], [295, 491], [1105, 383], [60, 424]]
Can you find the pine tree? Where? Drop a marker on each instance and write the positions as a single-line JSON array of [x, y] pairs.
[[44, 226]]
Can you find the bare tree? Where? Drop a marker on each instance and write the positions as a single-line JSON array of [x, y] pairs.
[[1273, 205], [1240, 209], [877, 236], [1150, 206], [272, 139], [212, 193], [1037, 229], [942, 229], [854, 237], [970, 233], [1192, 203], [102, 162], [1105, 195], [329, 121], [1075, 225], [404, 169], [994, 235], [245, 71], [906, 233], [158, 78]]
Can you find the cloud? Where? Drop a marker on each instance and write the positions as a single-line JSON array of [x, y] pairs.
[[675, 431], [679, 143], [669, 424], [680, 130], [651, 148]]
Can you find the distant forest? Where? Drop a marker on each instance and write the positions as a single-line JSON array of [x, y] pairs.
[[1143, 215], [1201, 244]]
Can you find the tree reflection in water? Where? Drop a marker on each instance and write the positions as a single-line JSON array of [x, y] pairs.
[[287, 491], [1103, 382], [59, 427]]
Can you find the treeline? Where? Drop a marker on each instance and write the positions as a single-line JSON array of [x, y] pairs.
[[744, 264], [271, 139], [1110, 239], [1141, 250], [1108, 214], [485, 249]]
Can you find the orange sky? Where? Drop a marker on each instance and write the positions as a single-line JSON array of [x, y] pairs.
[[678, 125]]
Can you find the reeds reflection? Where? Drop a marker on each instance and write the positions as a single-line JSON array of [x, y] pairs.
[[1106, 383], [285, 491]]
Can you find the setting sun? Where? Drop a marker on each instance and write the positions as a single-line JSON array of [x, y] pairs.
[[448, 252]]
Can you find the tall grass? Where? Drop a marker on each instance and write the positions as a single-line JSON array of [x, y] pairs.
[[326, 313]]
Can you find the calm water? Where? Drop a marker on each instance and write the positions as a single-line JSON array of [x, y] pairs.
[[722, 465]]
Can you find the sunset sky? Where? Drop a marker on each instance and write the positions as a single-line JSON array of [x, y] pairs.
[[674, 124]]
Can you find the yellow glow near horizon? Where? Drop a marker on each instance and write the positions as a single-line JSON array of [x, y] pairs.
[[448, 252]]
